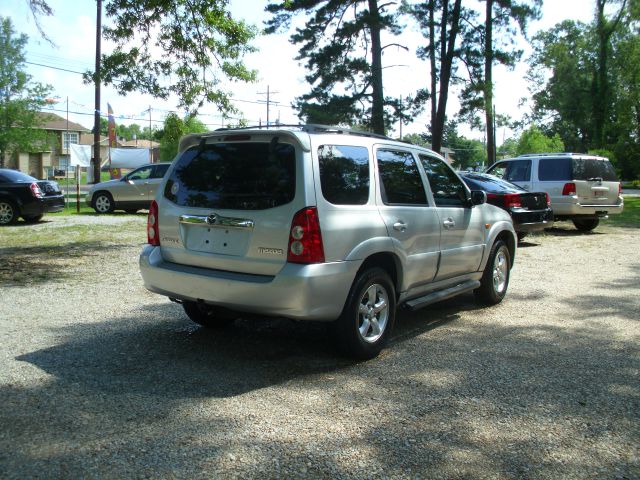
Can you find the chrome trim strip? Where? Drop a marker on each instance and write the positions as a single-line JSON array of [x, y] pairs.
[[219, 221]]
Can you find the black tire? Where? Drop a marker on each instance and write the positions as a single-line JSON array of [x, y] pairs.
[[103, 202], [209, 316], [521, 235], [586, 224], [32, 218], [8, 212], [495, 279], [356, 335]]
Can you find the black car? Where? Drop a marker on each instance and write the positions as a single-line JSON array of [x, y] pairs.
[[24, 196], [530, 211]]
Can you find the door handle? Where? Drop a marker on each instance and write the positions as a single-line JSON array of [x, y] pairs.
[[449, 223], [400, 226]]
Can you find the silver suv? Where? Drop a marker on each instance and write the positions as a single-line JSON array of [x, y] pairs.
[[582, 188], [320, 223]]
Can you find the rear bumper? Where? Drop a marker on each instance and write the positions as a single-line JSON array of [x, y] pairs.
[[575, 209], [40, 206], [301, 292], [532, 221]]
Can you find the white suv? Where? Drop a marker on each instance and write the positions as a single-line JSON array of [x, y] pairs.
[[320, 223], [582, 188]]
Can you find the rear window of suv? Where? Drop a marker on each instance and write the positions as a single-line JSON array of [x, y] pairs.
[[238, 176], [565, 169]]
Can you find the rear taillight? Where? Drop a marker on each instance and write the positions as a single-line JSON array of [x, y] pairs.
[[153, 232], [619, 189], [548, 199], [512, 200], [35, 190], [305, 239], [569, 189]]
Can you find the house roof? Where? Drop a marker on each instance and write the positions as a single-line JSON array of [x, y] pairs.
[[51, 121]]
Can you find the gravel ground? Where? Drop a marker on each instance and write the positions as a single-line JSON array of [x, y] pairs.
[[101, 379]]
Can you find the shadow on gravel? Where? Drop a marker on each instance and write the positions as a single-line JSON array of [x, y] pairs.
[[569, 231], [153, 396], [39, 265]]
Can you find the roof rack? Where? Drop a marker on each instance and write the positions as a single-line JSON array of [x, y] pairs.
[[311, 128], [549, 154]]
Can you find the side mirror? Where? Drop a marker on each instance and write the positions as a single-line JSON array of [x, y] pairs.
[[478, 197]]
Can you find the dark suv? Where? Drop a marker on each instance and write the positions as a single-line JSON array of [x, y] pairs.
[[23, 196]]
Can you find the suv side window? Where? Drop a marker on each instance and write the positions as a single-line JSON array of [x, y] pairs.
[[344, 174], [448, 190], [140, 174], [159, 171], [400, 181], [555, 169], [514, 171]]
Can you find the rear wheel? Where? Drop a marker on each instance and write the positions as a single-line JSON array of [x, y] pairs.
[[366, 322], [103, 202], [586, 224], [8, 212], [521, 235], [32, 218], [495, 279], [207, 315]]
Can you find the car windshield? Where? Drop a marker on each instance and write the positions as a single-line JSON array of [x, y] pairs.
[[240, 176], [16, 176]]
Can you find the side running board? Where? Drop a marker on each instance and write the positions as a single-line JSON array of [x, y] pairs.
[[417, 303]]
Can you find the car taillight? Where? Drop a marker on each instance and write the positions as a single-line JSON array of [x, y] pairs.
[[512, 200], [153, 232], [35, 190], [305, 238], [619, 189], [548, 199], [569, 189]]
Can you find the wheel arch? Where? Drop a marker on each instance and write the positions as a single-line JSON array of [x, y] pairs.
[[389, 262]]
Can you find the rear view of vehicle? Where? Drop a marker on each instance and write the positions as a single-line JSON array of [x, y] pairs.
[[23, 196], [582, 188]]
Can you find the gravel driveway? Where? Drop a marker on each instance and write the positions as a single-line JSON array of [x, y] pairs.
[[101, 379]]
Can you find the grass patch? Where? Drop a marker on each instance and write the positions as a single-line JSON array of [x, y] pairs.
[[630, 217]]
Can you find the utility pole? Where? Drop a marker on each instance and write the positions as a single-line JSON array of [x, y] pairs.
[[150, 137], [96, 79], [268, 102]]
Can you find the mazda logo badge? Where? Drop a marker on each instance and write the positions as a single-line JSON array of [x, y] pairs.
[[212, 219]]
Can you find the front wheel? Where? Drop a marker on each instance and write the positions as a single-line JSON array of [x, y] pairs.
[[495, 279], [366, 322], [586, 224], [207, 315], [32, 218]]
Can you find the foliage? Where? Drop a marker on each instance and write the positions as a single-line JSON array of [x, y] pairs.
[[574, 67], [630, 216], [533, 140], [174, 129], [341, 44], [20, 98], [176, 47]]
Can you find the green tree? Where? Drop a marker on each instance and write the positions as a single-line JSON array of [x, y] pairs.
[[194, 43], [20, 98], [483, 47], [533, 140], [342, 46], [175, 128]]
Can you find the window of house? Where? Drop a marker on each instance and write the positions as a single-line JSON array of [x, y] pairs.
[[69, 138]]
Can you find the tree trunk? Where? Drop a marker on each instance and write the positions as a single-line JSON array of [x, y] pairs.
[[432, 61], [488, 83], [377, 103], [446, 63]]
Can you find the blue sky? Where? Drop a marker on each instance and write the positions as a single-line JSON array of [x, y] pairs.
[[72, 29]]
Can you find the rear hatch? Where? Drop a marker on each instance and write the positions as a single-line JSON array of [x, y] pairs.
[[227, 203], [596, 181], [49, 188]]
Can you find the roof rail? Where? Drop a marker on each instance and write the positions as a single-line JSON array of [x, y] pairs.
[[549, 154], [311, 128]]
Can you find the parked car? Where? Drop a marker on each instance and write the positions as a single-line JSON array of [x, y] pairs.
[[582, 188], [320, 223], [130, 193], [24, 196], [530, 211]]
